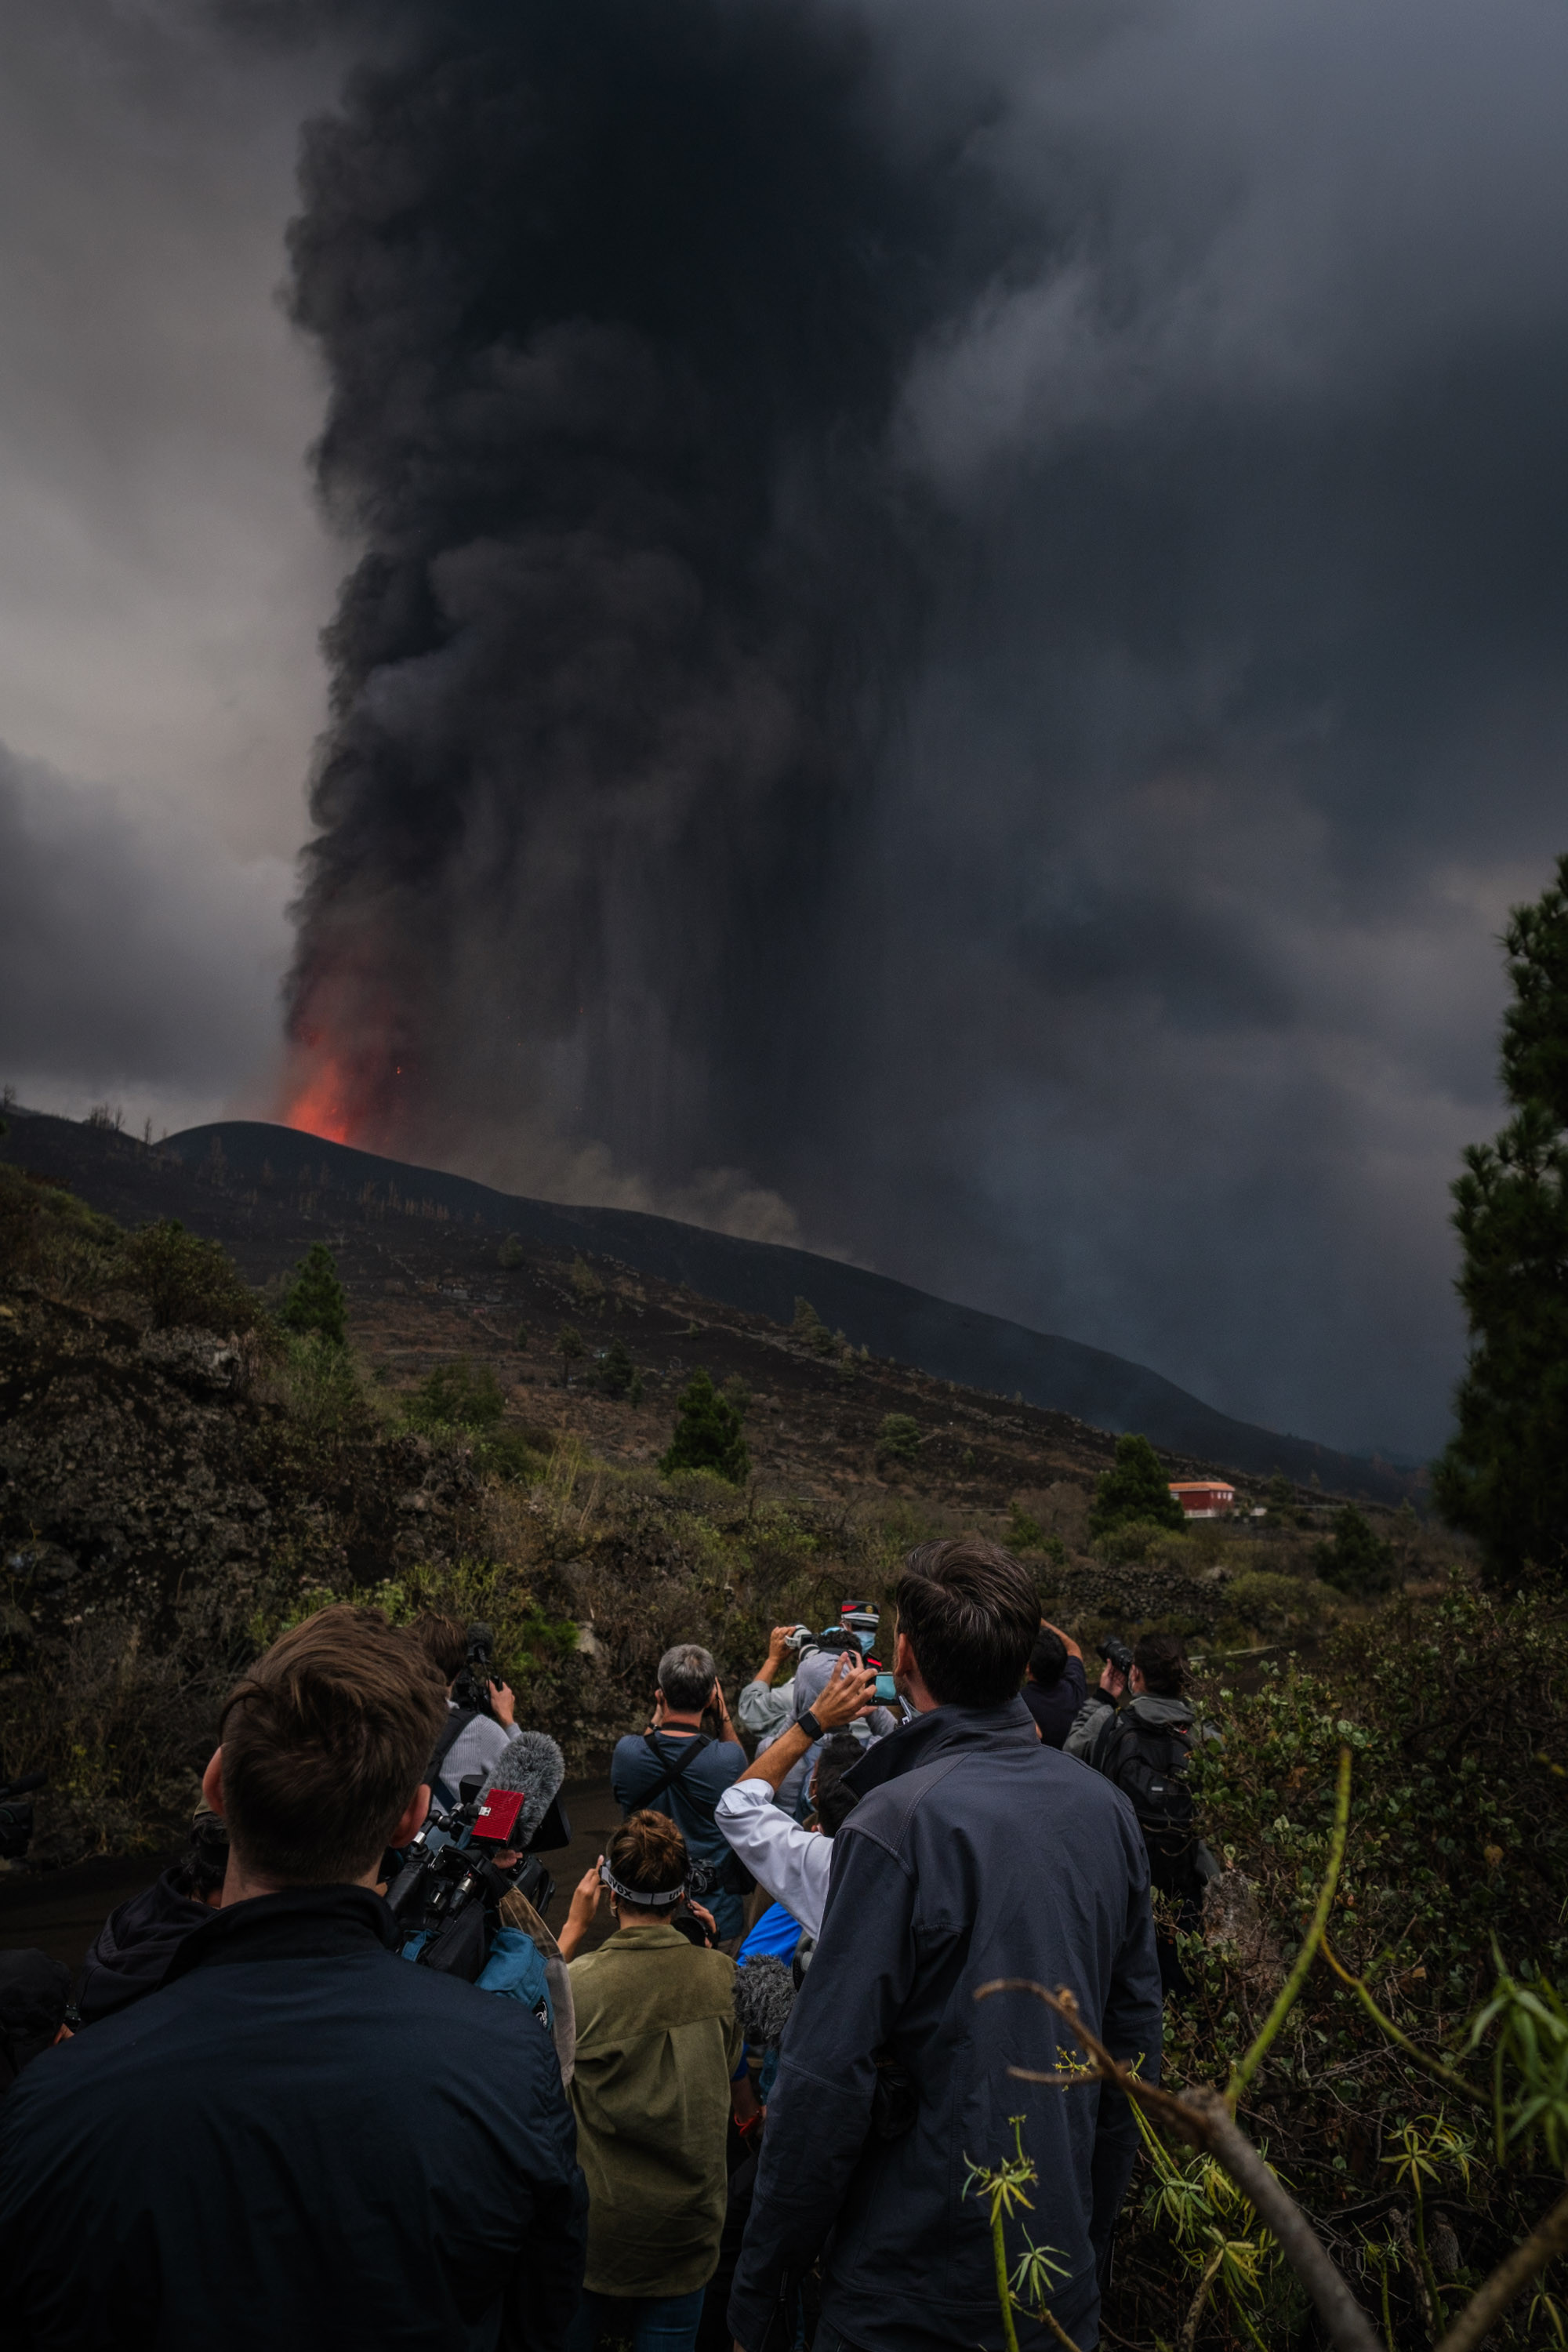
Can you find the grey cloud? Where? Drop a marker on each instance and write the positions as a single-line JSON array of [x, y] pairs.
[[138, 955], [985, 662]]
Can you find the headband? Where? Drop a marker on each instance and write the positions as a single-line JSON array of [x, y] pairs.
[[639, 1897]]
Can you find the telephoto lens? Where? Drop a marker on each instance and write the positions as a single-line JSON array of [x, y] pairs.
[[1115, 1653]]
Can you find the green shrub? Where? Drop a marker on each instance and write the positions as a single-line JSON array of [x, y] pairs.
[[185, 1281], [510, 1253], [461, 1395], [899, 1435], [315, 1300], [1354, 1559], [587, 1285], [1135, 1489], [571, 1347], [324, 1390], [614, 1373], [50, 1236], [1278, 1605], [811, 1330], [707, 1435]]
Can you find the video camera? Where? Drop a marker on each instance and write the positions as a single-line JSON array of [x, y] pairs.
[[858, 1623], [16, 1814], [1115, 1653], [472, 1688], [448, 1890]]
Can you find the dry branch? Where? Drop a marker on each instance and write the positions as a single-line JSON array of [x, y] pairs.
[[1204, 2119], [1489, 2304]]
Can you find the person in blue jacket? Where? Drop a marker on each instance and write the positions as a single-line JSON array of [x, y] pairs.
[[974, 1852], [297, 2140]]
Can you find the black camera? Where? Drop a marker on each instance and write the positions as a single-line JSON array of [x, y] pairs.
[[1115, 1653], [472, 1688], [446, 1896]]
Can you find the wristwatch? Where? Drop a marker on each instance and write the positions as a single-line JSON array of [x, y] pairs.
[[809, 1723]]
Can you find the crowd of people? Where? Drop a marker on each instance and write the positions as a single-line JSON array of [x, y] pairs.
[[743, 2116]]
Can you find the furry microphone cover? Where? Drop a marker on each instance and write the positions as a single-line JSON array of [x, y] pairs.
[[764, 1995], [533, 1763]]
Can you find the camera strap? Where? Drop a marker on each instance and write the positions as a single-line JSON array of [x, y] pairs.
[[672, 1772]]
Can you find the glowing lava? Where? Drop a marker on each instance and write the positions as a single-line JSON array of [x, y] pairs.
[[320, 1105]]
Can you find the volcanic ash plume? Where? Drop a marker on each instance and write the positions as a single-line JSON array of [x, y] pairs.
[[616, 301]]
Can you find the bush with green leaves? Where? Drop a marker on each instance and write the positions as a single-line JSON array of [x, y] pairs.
[[315, 1300], [898, 1436], [615, 1372], [460, 1395], [1355, 1560], [1136, 1488], [810, 1330], [1456, 1716], [49, 1236], [571, 1347], [187, 1282], [707, 1434]]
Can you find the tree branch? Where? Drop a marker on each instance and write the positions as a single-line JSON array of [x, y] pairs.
[[1548, 2238], [1242, 2073], [1433, 2066], [1189, 2334], [1202, 2117]]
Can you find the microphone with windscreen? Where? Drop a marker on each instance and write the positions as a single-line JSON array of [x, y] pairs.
[[520, 1805]]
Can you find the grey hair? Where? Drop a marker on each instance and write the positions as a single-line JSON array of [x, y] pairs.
[[686, 1676]]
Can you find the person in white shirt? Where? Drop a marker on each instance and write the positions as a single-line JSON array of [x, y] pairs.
[[788, 1862]]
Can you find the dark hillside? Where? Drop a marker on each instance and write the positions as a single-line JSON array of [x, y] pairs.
[[893, 1321]]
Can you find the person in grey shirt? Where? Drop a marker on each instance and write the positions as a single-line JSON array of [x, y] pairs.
[[484, 1738], [761, 1709]]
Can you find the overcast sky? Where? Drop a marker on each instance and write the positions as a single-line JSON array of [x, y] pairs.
[[1241, 722]]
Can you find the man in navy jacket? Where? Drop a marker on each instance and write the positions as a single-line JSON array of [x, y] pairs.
[[299, 2143], [974, 1852]]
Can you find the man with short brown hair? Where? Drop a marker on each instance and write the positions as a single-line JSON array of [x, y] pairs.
[[975, 1853], [300, 2139]]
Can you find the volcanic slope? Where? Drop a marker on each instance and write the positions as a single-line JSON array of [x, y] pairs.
[[420, 1252]]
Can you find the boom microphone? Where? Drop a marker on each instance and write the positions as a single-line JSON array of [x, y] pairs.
[[533, 1764]]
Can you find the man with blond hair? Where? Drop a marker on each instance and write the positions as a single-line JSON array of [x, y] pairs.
[[299, 2140]]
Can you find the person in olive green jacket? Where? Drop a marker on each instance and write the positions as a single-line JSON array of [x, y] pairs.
[[657, 2044]]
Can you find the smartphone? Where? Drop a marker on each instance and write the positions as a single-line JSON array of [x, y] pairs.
[[885, 1693]]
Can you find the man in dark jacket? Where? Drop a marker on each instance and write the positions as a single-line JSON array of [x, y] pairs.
[[300, 2139], [974, 1852]]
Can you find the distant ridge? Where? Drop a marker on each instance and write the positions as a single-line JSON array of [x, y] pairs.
[[890, 1319]]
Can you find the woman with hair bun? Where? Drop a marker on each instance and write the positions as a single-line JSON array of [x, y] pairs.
[[657, 2044]]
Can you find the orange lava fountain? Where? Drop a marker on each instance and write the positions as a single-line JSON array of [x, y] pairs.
[[320, 1106]]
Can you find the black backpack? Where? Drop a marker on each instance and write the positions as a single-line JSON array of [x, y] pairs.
[[1148, 1763]]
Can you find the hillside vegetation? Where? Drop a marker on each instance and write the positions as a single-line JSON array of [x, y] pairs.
[[189, 1464]]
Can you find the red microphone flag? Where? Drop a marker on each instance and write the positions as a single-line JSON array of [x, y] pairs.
[[497, 1813]]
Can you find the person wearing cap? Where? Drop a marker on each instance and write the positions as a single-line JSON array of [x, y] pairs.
[[657, 2045]]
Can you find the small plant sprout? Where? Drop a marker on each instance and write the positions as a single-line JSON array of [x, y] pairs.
[[1028, 2285]]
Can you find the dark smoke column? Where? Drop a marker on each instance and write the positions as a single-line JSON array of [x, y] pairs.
[[616, 297]]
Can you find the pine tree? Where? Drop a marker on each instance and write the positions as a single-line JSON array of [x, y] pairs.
[[1355, 1559], [707, 1435], [1136, 1488], [315, 1299], [1503, 1476]]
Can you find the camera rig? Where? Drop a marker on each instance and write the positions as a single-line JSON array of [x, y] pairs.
[[448, 1890]]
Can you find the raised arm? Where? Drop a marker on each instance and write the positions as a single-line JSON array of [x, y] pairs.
[[850, 1692]]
